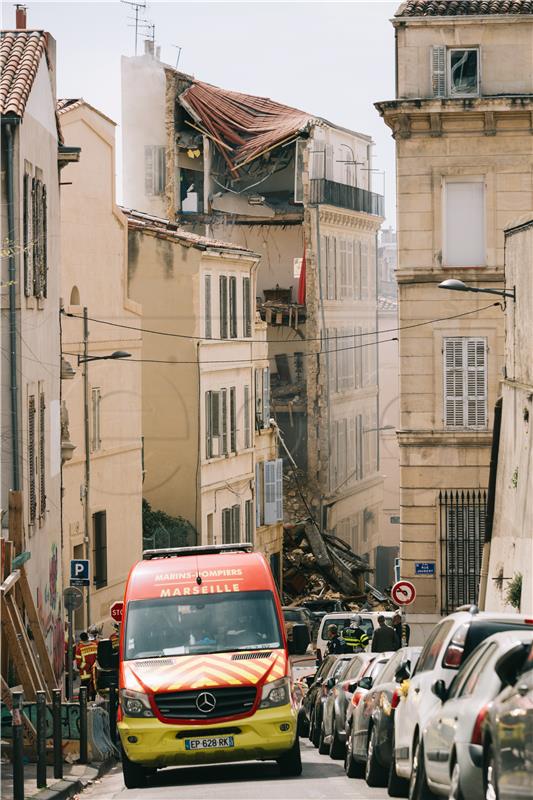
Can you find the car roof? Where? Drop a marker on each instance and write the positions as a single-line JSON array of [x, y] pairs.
[[487, 616], [504, 637]]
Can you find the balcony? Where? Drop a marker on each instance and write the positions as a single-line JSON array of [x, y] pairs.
[[344, 196]]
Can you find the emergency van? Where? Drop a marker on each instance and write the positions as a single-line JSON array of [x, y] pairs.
[[204, 665]]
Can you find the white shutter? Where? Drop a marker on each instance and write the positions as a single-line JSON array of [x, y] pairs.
[[364, 270], [266, 397], [331, 267], [330, 166], [438, 71], [349, 267], [324, 264], [357, 270], [235, 524], [342, 443], [279, 488], [343, 269], [333, 457], [476, 383], [270, 492], [208, 429], [223, 300], [247, 437], [148, 170], [207, 304], [454, 389], [351, 459], [258, 496], [359, 446], [247, 308], [233, 419]]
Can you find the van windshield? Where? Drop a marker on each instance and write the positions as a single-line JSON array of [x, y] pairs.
[[176, 626]]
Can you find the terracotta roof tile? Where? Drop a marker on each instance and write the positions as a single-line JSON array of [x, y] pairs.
[[20, 56], [68, 104], [455, 8]]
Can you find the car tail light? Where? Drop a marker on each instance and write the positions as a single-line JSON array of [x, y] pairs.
[[528, 621], [476, 731], [453, 656], [356, 697], [395, 699]]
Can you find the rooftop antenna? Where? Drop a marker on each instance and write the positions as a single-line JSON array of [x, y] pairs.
[[179, 49], [137, 5]]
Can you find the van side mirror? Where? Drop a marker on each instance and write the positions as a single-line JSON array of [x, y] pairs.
[[105, 656], [300, 640], [439, 690]]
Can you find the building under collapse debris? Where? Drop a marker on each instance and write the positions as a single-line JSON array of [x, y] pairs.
[[297, 190]]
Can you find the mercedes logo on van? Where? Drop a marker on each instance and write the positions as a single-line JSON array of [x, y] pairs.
[[206, 702]]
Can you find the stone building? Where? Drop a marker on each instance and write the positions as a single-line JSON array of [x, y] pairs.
[[210, 452], [94, 275], [295, 189], [462, 125], [31, 153]]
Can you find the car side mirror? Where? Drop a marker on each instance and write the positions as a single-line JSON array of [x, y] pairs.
[[365, 683], [402, 674], [105, 656], [439, 690]]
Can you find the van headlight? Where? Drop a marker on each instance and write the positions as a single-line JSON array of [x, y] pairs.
[[135, 704], [276, 693]]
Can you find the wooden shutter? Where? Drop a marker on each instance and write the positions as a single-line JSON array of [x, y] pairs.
[[32, 489], [223, 285], [233, 307], [42, 455], [476, 383], [35, 195], [438, 71], [266, 397], [100, 548], [235, 524], [207, 306], [148, 170], [28, 236], [208, 426], [279, 488], [258, 496], [160, 171], [247, 432], [233, 419], [270, 505], [246, 308], [224, 420], [454, 389], [248, 521], [44, 244]]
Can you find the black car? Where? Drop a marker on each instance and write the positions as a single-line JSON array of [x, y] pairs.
[[322, 683], [371, 744]]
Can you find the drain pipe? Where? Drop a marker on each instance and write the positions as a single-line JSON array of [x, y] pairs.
[[491, 499], [12, 307]]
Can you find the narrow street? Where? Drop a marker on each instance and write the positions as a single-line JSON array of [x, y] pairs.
[[321, 778]]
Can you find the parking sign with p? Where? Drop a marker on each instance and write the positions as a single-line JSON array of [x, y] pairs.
[[79, 572]]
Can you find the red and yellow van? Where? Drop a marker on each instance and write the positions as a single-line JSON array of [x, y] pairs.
[[204, 669]]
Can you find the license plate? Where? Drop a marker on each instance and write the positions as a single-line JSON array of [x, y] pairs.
[[209, 743]]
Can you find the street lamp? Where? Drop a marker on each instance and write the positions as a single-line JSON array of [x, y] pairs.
[[84, 360], [455, 285]]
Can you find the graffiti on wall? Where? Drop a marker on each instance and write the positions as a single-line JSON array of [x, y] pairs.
[[49, 610]]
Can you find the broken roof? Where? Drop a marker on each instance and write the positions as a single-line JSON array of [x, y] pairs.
[[20, 56], [138, 220], [244, 126], [455, 8]]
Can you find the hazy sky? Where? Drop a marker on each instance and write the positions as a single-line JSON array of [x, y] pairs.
[[328, 58]]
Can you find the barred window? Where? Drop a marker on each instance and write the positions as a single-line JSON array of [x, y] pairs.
[[42, 455]]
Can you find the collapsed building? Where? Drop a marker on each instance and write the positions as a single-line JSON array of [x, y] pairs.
[[297, 190]]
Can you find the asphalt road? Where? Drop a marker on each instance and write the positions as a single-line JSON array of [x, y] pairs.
[[321, 778]]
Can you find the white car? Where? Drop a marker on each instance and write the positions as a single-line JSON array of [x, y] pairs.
[[343, 619], [452, 739], [447, 646]]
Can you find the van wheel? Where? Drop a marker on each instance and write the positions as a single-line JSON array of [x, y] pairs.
[[135, 776], [290, 763], [374, 774]]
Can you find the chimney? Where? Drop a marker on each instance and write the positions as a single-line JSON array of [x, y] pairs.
[[20, 18], [148, 47]]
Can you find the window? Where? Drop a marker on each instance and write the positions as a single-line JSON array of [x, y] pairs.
[[432, 648], [246, 308], [464, 223], [96, 399], [465, 382], [154, 170], [455, 71], [231, 525], [216, 423], [248, 521], [233, 419], [32, 479], [100, 549], [233, 307], [207, 307], [74, 296], [273, 491], [35, 236], [223, 296], [247, 427], [42, 455], [262, 398]]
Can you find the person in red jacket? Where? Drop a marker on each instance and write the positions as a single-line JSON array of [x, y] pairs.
[[85, 659]]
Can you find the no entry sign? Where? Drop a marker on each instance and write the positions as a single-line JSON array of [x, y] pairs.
[[116, 611], [403, 593]]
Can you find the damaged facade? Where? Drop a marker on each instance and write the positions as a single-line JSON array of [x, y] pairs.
[[295, 189]]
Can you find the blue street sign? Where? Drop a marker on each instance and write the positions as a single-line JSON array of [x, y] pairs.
[[424, 567], [79, 572]]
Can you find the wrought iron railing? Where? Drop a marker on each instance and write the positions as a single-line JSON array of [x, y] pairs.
[[345, 196], [462, 534]]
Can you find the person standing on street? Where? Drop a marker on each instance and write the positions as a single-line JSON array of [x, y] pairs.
[[335, 645], [355, 638], [384, 638], [402, 630], [85, 659]]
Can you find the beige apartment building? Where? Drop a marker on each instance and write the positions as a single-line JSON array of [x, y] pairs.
[[32, 154], [295, 189], [94, 235], [462, 125], [511, 542], [210, 452]]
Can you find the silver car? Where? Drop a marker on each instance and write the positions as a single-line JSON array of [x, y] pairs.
[[453, 748]]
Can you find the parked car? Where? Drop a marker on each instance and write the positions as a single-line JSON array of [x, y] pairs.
[[449, 644], [452, 738], [318, 692], [369, 621], [333, 729], [372, 719], [314, 683], [507, 730]]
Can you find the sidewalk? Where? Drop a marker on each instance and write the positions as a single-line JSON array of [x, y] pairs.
[[76, 777]]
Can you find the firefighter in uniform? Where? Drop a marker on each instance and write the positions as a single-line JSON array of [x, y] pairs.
[[115, 638], [355, 638], [85, 660]]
